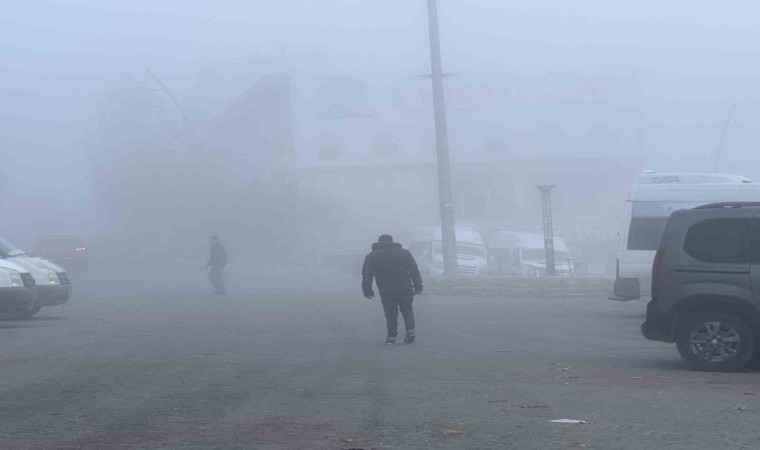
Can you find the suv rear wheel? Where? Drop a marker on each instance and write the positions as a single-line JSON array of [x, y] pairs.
[[715, 341]]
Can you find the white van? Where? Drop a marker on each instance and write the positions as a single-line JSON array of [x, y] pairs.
[[523, 254], [651, 201], [18, 297], [427, 248], [52, 283]]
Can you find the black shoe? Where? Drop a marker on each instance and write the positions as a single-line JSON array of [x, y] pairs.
[[390, 340], [409, 337]]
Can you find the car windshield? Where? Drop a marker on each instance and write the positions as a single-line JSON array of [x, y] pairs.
[[8, 249]]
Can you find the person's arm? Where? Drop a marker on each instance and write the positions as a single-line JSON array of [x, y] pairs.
[[414, 274], [368, 274]]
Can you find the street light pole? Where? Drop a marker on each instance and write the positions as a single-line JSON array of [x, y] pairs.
[[546, 213], [448, 235]]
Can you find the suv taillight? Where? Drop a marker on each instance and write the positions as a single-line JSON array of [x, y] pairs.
[[656, 270]]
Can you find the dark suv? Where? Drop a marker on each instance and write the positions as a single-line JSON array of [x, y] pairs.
[[706, 286]]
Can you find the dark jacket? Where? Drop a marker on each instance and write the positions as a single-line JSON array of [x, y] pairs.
[[393, 268], [218, 255]]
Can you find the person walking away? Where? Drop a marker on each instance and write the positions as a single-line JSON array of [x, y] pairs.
[[216, 264], [398, 281]]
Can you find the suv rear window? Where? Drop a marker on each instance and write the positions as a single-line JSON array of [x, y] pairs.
[[719, 241]]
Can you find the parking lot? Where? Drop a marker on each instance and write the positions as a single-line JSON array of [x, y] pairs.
[[300, 364]]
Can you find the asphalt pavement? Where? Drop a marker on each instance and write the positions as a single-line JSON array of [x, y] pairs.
[[141, 359]]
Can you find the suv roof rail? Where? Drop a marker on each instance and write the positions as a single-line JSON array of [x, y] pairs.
[[728, 205]]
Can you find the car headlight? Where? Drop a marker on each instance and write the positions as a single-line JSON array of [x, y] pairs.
[[15, 277], [52, 277]]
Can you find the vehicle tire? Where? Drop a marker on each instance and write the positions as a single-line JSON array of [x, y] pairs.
[[715, 342], [30, 312], [20, 315]]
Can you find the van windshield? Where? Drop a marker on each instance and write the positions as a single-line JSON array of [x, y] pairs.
[[471, 250], [464, 249], [648, 220], [535, 254], [8, 249]]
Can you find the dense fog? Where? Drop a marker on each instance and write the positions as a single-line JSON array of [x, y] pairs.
[[226, 224], [293, 128]]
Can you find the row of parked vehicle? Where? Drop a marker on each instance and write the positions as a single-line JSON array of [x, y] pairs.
[[507, 253], [29, 283]]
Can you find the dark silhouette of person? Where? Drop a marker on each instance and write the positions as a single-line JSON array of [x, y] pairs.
[[216, 263], [398, 280]]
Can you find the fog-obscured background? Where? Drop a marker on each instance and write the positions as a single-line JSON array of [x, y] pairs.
[[305, 125]]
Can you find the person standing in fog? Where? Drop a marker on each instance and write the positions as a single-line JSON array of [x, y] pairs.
[[216, 264], [398, 281]]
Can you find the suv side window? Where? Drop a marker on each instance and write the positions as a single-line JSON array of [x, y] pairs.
[[719, 241]]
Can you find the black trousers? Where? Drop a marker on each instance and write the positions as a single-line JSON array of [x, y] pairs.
[[392, 303]]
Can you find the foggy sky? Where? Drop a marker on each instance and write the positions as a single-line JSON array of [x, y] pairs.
[[690, 59]]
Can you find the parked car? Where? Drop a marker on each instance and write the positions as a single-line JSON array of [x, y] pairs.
[[18, 297], [706, 285], [523, 255], [52, 282], [61, 249]]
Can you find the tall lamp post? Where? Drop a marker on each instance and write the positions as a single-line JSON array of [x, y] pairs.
[[546, 212], [448, 235]]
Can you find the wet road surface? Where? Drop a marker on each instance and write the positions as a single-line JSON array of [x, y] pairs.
[[280, 364]]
